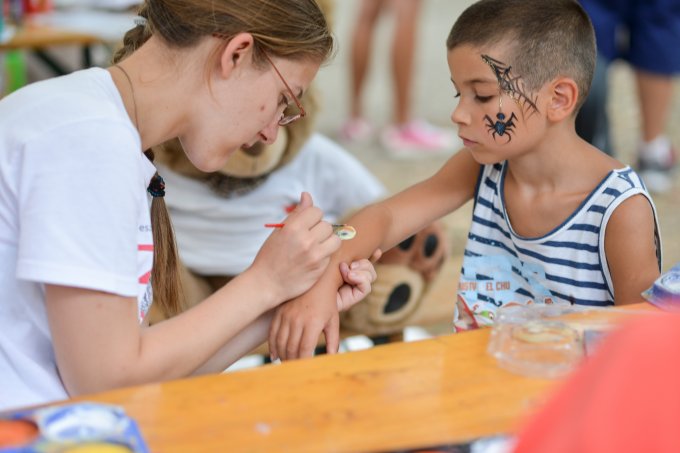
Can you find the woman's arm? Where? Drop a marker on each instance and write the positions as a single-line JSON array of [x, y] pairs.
[[244, 342], [99, 343]]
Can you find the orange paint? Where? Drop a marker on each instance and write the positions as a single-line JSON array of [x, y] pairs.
[[14, 433]]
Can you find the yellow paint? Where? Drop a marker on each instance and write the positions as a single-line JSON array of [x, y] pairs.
[[98, 447]]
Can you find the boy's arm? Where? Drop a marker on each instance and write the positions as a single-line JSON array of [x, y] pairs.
[[630, 248], [297, 324]]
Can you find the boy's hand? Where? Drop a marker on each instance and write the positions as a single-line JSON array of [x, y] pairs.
[[297, 324], [358, 278], [296, 327]]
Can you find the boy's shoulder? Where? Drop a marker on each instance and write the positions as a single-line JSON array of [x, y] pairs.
[[605, 173], [602, 167], [591, 167]]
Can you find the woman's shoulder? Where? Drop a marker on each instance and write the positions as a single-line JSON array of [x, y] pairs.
[[84, 93], [82, 100]]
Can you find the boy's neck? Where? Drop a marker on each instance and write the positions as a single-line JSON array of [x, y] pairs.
[[554, 161]]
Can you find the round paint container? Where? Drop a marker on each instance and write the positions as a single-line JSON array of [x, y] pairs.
[[344, 232]]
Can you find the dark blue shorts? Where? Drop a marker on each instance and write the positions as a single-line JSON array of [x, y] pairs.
[[644, 32]]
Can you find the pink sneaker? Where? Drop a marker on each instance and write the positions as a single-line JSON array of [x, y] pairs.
[[419, 139], [656, 162], [355, 130]]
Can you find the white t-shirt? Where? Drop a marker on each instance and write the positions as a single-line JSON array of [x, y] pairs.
[[221, 236], [73, 211]]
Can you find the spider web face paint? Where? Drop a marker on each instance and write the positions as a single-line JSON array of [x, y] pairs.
[[511, 85]]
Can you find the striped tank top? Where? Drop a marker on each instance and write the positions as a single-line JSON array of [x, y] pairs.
[[566, 266]]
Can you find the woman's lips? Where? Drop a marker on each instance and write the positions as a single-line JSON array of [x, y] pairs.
[[253, 149]]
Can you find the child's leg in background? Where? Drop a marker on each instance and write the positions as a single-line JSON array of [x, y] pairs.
[[357, 128], [403, 54], [654, 27]]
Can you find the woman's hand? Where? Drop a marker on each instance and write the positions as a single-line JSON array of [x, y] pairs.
[[293, 257]]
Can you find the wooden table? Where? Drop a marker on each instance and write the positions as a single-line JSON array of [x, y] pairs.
[[402, 395], [40, 37], [394, 396], [82, 28]]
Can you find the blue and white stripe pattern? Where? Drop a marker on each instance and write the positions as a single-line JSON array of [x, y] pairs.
[[567, 265]]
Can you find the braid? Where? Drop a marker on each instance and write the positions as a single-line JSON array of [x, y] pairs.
[[165, 275], [135, 37]]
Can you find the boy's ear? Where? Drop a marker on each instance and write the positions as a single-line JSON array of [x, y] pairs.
[[237, 51], [564, 96]]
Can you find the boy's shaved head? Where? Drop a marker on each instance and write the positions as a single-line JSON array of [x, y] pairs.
[[544, 38]]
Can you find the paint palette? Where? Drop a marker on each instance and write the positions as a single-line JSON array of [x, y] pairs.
[[72, 428], [344, 232]]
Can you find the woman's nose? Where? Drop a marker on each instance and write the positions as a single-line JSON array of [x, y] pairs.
[[270, 132]]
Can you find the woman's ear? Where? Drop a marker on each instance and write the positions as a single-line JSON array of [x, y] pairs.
[[237, 51], [563, 98]]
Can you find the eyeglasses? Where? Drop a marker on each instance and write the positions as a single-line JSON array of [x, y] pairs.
[[287, 119]]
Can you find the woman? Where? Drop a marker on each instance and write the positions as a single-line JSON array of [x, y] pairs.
[[76, 245]]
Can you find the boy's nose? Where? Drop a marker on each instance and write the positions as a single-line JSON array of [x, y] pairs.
[[460, 116]]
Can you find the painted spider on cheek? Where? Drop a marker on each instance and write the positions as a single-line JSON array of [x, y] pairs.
[[501, 127]]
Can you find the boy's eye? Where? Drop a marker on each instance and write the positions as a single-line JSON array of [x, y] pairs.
[[457, 95], [483, 99]]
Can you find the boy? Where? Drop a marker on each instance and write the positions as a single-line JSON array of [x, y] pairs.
[[555, 220]]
